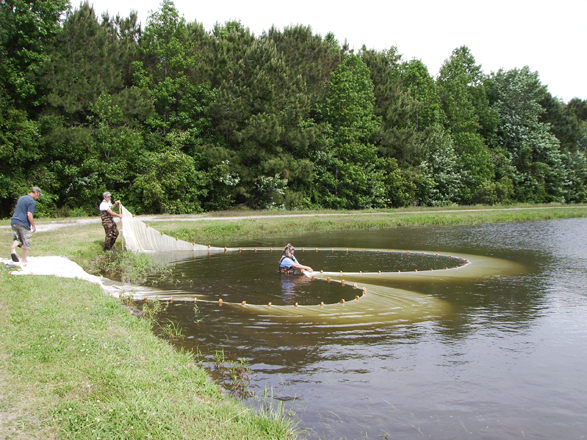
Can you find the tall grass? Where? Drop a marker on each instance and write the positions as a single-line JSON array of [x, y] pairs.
[[128, 267]]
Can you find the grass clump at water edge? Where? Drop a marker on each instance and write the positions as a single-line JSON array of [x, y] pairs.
[[129, 267]]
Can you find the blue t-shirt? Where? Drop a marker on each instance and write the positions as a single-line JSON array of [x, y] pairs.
[[288, 262], [24, 205]]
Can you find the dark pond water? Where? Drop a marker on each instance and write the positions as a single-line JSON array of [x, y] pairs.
[[507, 359]]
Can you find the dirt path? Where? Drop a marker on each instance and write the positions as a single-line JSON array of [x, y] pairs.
[[48, 225]]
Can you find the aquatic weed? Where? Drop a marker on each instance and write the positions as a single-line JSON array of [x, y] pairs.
[[233, 376]]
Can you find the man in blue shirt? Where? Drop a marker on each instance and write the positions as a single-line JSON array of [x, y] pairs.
[[23, 224]]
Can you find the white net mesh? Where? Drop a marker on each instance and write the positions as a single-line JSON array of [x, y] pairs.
[[140, 237]]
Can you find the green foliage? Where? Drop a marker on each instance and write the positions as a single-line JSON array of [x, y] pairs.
[[263, 108], [153, 308], [177, 119], [567, 122], [171, 331], [26, 29], [348, 173], [466, 106], [169, 56], [77, 212], [578, 108], [441, 183], [233, 376], [349, 101], [167, 182], [420, 84], [538, 171], [18, 150], [116, 145]]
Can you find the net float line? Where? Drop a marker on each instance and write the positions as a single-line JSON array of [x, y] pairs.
[[378, 304], [473, 267], [382, 304], [386, 304]]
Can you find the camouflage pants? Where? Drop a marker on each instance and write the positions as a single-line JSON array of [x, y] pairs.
[[110, 229]]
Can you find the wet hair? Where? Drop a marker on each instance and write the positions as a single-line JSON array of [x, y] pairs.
[[288, 251]]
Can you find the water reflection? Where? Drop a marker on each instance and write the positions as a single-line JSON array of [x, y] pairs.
[[507, 362], [291, 284]]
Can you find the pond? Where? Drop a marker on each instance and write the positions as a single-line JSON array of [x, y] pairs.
[[497, 354]]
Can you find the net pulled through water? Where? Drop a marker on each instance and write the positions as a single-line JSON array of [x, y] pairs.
[[383, 303]]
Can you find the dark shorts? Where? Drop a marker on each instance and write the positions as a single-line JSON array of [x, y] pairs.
[[23, 235]]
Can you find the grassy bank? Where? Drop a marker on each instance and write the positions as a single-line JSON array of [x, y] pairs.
[[218, 231], [74, 363]]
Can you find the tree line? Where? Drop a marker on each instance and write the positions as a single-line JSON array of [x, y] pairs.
[[172, 118]]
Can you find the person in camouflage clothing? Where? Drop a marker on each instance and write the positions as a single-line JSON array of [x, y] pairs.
[[108, 220]]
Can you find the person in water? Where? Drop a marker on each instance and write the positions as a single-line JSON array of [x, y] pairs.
[[288, 263]]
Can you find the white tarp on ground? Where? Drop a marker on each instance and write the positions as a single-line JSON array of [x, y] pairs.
[[65, 268], [140, 237], [58, 266]]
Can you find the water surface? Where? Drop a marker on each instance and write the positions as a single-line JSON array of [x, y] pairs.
[[505, 359]]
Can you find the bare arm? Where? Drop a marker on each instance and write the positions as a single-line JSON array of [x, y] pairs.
[[31, 221], [301, 267], [111, 212]]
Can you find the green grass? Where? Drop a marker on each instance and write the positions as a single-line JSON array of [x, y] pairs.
[[75, 363], [218, 232]]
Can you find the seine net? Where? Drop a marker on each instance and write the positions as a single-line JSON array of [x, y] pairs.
[[383, 303], [140, 237]]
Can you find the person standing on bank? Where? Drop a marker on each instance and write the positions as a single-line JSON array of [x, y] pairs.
[[288, 262], [23, 224], [108, 220]]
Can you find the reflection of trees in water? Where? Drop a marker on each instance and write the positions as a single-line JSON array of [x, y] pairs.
[[374, 260]]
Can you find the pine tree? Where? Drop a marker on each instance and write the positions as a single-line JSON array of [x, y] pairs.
[[348, 172], [467, 111]]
